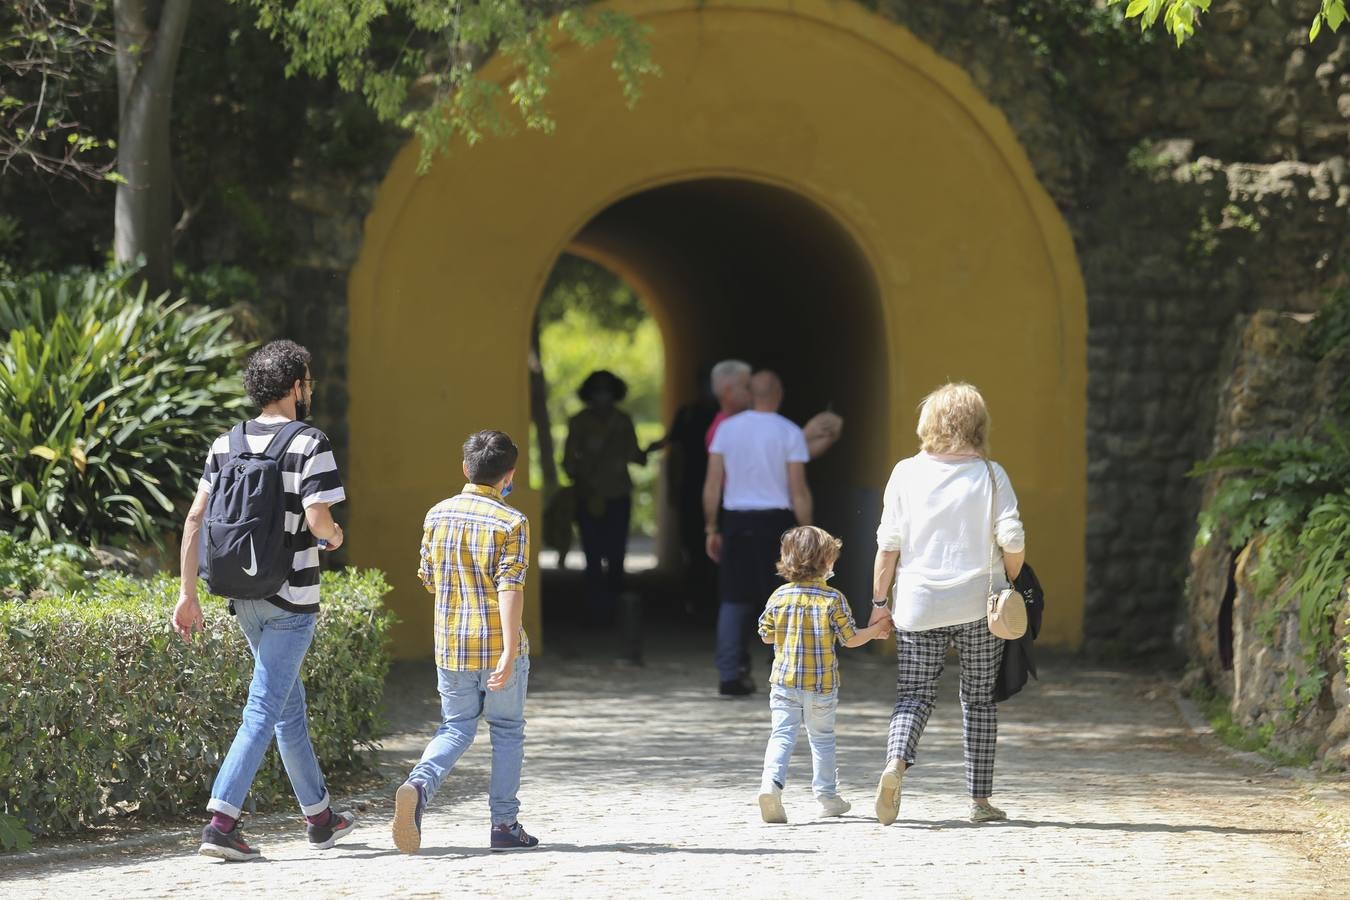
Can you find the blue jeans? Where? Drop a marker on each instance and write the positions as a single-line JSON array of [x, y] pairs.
[[464, 700], [276, 706], [791, 707]]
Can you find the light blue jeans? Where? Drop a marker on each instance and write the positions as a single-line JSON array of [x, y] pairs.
[[464, 700], [791, 708], [276, 706]]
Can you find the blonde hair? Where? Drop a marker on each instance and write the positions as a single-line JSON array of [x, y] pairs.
[[954, 418], [807, 552]]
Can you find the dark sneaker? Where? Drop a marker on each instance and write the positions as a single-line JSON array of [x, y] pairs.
[[409, 804], [741, 687], [228, 845], [340, 824], [512, 837]]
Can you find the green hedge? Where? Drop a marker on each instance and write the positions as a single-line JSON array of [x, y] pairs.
[[104, 709]]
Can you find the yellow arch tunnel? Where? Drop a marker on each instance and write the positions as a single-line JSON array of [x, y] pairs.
[[807, 187]]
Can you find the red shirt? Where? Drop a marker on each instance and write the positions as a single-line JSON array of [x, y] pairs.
[[722, 416]]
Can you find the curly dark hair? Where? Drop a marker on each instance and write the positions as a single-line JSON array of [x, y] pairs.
[[488, 456], [274, 370], [602, 378]]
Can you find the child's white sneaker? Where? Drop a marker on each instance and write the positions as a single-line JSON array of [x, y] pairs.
[[771, 804], [833, 805]]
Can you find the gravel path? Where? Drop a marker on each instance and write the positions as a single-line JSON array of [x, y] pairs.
[[639, 781]]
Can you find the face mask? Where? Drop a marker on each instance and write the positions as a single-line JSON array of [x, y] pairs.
[[829, 575], [510, 485]]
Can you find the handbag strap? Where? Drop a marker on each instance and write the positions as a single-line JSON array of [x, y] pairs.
[[993, 522]]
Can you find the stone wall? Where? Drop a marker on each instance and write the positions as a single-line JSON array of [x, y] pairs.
[[1241, 641], [1199, 184]]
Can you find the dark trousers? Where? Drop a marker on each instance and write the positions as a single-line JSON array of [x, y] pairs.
[[746, 578], [604, 539]]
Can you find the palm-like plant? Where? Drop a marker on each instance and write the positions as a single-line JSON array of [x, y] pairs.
[[108, 400]]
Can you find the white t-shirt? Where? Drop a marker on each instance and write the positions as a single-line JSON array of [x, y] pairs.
[[757, 447], [936, 513]]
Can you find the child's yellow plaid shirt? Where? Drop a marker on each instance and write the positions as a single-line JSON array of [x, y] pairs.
[[473, 545], [804, 618]]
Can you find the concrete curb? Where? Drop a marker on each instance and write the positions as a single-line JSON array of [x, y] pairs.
[[1195, 720], [166, 837]]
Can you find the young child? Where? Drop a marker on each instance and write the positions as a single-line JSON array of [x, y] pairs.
[[802, 620], [475, 549]]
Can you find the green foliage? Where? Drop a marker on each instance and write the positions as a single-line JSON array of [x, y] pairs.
[[1216, 710], [104, 710], [1293, 497], [32, 568], [590, 319], [579, 285], [396, 52], [50, 54], [1181, 16], [107, 402]]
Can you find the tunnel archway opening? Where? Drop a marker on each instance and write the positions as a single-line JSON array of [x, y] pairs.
[[735, 268]]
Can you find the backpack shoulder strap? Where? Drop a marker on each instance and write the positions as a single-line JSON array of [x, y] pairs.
[[276, 448], [238, 441]]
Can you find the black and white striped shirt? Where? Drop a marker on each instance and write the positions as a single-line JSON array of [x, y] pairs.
[[309, 476]]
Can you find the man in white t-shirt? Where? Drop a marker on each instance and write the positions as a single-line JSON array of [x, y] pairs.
[[755, 490]]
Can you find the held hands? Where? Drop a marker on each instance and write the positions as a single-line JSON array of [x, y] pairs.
[[881, 623], [502, 674]]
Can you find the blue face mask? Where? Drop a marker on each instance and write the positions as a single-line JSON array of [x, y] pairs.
[[510, 486]]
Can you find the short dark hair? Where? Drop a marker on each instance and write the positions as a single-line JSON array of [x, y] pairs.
[[488, 456], [272, 371]]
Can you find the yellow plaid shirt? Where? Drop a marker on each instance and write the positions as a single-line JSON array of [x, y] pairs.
[[804, 618], [473, 545]]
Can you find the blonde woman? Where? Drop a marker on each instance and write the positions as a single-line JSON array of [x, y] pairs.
[[934, 544]]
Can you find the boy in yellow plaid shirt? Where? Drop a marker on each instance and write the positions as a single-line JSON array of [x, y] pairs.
[[475, 550], [802, 620]]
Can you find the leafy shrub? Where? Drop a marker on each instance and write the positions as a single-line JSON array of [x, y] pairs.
[[103, 707], [1294, 497], [28, 567], [106, 401]]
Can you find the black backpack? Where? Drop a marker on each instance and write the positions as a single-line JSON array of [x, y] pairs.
[[245, 550]]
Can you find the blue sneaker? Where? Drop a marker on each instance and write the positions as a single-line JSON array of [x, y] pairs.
[[409, 804], [512, 837]]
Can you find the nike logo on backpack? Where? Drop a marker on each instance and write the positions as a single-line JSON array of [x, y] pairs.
[[252, 568]]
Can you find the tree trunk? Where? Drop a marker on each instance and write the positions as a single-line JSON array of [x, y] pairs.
[[543, 425], [146, 61]]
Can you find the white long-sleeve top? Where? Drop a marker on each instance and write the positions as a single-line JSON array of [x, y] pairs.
[[936, 513]]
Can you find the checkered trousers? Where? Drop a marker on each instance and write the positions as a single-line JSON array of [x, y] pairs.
[[920, 655]]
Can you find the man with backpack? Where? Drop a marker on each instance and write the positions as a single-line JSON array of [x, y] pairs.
[[261, 515]]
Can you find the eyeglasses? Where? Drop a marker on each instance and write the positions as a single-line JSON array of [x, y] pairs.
[[310, 381]]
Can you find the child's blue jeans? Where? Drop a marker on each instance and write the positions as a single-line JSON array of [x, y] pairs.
[[465, 700], [791, 708]]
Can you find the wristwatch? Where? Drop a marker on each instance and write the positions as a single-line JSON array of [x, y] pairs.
[[882, 603]]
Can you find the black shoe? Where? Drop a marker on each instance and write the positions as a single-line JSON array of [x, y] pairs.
[[512, 837], [340, 824], [229, 845], [741, 687]]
